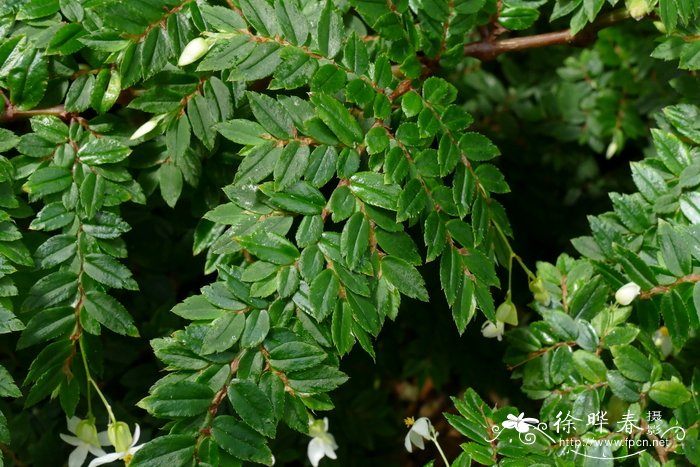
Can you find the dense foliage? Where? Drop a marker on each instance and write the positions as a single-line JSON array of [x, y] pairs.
[[209, 212]]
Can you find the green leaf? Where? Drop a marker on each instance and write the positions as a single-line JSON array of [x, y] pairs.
[[8, 388], [48, 180], [338, 118], [110, 313], [399, 244], [632, 363], [201, 120], [370, 188], [354, 239], [649, 181], [292, 22], [34, 9], [271, 115], [412, 200], [478, 147], [622, 387], [675, 249], [451, 274], [323, 294], [258, 164], [55, 250], [105, 225], [690, 206], [587, 302], [197, 307], [261, 16], [270, 247], [341, 328], [78, 97], [253, 406], [291, 165], [51, 290], [47, 324], [178, 399], [242, 131], [464, 307], [222, 19], [294, 356], [404, 277], [8, 140], [28, 78], [222, 333], [108, 271], [155, 51], [170, 182], [365, 313], [330, 31], [166, 450], [355, 55], [240, 441], [257, 325], [590, 366], [103, 151], [636, 268], [92, 191], [322, 378], [670, 394], [676, 317]]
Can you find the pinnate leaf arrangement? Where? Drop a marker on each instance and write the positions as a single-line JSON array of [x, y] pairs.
[[332, 163]]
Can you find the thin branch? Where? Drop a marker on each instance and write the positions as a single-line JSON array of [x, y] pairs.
[[539, 352], [661, 289], [11, 113], [490, 49]]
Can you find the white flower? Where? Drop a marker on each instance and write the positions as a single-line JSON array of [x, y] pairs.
[[520, 423], [125, 446], [193, 51], [627, 293], [322, 443], [86, 440], [663, 341], [421, 430], [490, 329]]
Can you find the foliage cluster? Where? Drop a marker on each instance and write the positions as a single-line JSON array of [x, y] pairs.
[[330, 164]]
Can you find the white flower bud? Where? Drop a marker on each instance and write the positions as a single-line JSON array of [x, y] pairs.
[[193, 51], [627, 293], [638, 9], [147, 127]]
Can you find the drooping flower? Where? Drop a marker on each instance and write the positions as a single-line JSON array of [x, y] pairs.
[[124, 444], [638, 9], [627, 293], [663, 341], [539, 291], [193, 51], [490, 329], [86, 440], [507, 313], [420, 430], [520, 423], [322, 443]]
